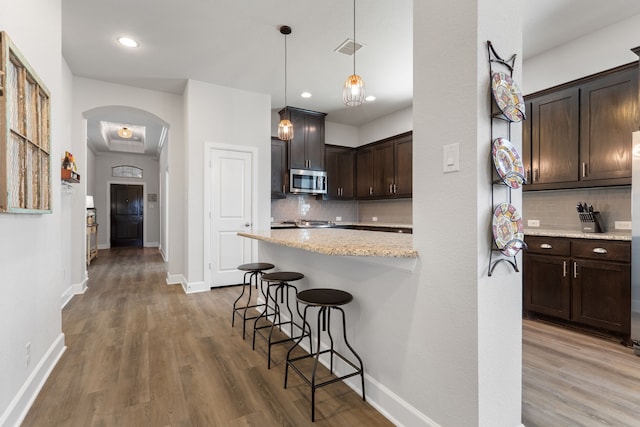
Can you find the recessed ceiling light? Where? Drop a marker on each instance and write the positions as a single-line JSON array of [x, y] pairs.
[[306, 94], [370, 98], [128, 42]]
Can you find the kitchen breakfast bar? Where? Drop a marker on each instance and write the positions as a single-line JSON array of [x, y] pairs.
[[377, 269]]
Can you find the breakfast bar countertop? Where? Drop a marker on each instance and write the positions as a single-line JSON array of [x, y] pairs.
[[337, 241]]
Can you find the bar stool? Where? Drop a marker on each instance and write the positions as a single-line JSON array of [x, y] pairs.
[[326, 300], [254, 271], [278, 283]]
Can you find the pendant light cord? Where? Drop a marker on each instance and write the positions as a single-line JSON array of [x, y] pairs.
[[354, 37], [285, 70]]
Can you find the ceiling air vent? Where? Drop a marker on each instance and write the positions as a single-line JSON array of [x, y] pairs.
[[348, 47]]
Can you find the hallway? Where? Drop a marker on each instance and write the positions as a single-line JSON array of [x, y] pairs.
[[142, 353]]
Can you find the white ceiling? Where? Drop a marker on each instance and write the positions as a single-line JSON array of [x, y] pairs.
[[237, 44]]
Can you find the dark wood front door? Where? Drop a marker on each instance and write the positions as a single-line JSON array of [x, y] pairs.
[[127, 215]]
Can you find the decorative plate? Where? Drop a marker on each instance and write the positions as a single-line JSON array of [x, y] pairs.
[[508, 163], [508, 230], [507, 96]]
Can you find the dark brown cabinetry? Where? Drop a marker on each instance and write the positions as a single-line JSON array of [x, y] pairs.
[[579, 134], [384, 168], [279, 176], [586, 282], [306, 149], [340, 162]]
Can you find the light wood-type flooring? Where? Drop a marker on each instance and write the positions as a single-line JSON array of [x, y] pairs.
[[142, 353]]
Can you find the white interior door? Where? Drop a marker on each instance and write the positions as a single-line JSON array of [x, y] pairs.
[[231, 212]]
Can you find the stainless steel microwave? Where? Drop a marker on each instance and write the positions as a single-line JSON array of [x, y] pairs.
[[308, 181]]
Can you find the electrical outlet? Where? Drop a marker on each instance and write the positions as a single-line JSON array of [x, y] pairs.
[[338, 218], [27, 353], [623, 225], [533, 223], [374, 219]]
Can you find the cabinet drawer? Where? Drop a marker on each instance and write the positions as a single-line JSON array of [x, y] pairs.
[[548, 245], [602, 250]]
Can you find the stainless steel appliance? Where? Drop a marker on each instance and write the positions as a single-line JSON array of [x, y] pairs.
[[635, 245], [308, 181]]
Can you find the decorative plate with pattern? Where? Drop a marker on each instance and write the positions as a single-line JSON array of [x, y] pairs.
[[508, 230], [507, 96], [507, 162]]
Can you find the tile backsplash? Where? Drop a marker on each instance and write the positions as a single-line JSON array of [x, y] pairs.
[[556, 209], [302, 206]]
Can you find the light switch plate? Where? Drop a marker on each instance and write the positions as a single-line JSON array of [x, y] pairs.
[[533, 223], [451, 158], [623, 225]]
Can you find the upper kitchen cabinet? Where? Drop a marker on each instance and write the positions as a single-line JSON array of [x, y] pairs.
[[306, 149], [279, 174], [384, 168], [608, 116], [579, 134], [340, 162]]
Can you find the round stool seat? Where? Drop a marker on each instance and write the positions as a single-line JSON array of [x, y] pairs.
[[282, 276], [256, 266], [325, 297]]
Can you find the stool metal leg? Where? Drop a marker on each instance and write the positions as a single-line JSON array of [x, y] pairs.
[[344, 333]]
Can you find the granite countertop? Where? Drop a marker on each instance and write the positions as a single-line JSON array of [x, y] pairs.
[[348, 223], [338, 241], [609, 235]]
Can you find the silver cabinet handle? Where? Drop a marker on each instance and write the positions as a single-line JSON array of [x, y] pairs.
[[536, 175], [395, 189], [575, 270], [390, 188], [546, 246], [599, 251], [247, 224], [371, 191], [584, 169], [564, 268], [283, 188]]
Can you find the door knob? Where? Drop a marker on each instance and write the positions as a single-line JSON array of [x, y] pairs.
[[247, 224]]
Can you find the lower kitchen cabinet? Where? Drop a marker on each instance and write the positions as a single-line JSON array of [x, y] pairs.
[[586, 282]]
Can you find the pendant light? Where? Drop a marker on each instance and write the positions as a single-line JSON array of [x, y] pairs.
[[285, 127], [353, 92]]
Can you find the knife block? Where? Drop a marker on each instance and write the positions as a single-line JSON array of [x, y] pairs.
[[591, 222]]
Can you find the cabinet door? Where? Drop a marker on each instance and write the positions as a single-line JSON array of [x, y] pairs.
[[278, 168], [364, 174], [608, 116], [383, 169], [314, 142], [404, 167], [547, 285], [602, 295], [297, 151], [526, 142], [332, 156], [555, 131], [346, 171]]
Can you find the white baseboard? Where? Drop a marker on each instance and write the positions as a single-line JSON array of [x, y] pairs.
[[151, 245], [21, 403], [195, 287], [174, 279], [104, 246], [75, 289], [163, 255]]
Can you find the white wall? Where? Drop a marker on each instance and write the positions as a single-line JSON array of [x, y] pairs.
[[466, 334], [222, 115], [150, 179], [390, 125], [598, 51], [90, 94], [30, 254]]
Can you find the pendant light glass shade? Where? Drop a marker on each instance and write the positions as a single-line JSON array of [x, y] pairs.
[[353, 92], [285, 127], [285, 130]]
